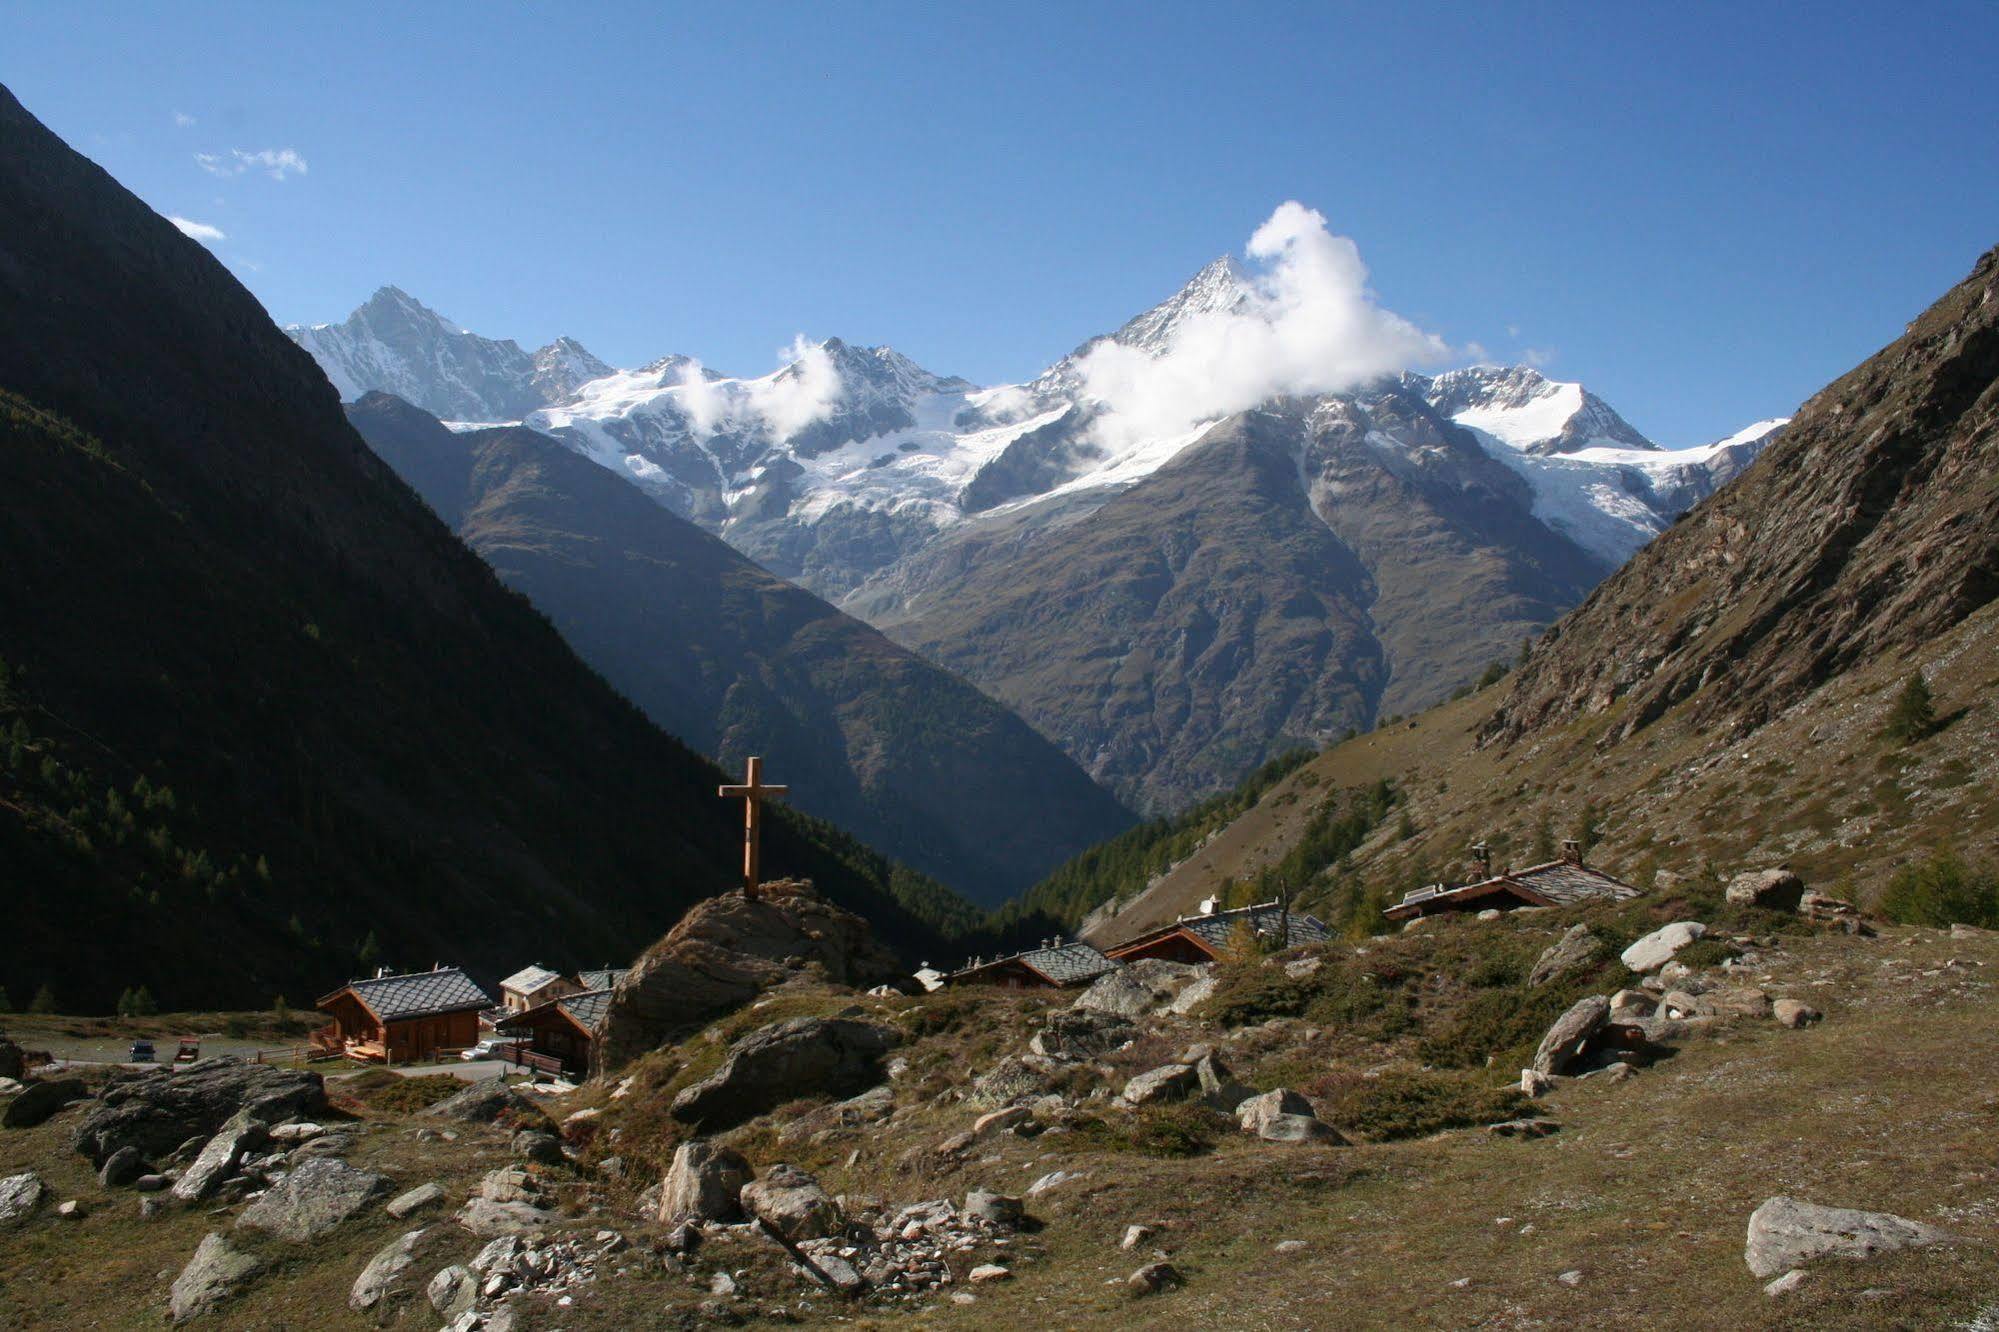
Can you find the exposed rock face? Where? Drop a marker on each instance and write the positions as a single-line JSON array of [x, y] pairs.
[[314, 1200], [704, 1183], [1865, 530], [158, 1110], [489, 1102], [1773, 889], [790, 1201], [723, 953], [777, 1063], [41, 1100], [1572, 1030], [216, 1273], [1785, 1233], [1656, 949], [1574, 949]]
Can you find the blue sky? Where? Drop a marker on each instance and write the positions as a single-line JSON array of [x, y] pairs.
[[1705, 213]]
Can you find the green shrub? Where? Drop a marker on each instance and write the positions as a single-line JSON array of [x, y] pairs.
[[1187, 1129], [1703, 954], [403, 1095], [1941, 891], [1914, 715], [1410, 1103]]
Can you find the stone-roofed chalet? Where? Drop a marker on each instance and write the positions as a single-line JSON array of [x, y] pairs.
[[1563, 882], [562, 1033], [1204, 936], [387, 1019], [1056, 964], [532, 986]]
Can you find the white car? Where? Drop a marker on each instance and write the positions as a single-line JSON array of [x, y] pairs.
[[490, 1048]]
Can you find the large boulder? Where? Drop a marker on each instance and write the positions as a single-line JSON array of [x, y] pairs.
[[790, 1201], [491, 1101], [216, 1273], [782, 1062], [1013, 1078], [314, 1200], [41, 1100], [20, 1195], [1571, 1032], [1169, 1082], [218, 1160], [488, 1219], [1656, 949], [1118, 993], [1772, 889], [1081, 1033], [1785, 1233], [1254, 1112], [158, 1110], [1574, 949], [704, 1183], [389, 1274], [726, 951], [1298, 1128]]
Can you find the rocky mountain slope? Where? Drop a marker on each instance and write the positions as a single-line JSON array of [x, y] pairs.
[[264, 720], [1728, 695], [735, 661], [1458, 515]]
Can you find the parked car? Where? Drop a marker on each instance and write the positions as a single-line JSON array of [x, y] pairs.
[[141, 1052], [493, 1047]]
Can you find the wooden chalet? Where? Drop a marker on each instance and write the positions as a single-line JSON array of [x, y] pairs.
[[397, 1019], [1057, 964], [1563, 882], [1205, 936], [561, 1034], [533, 986]]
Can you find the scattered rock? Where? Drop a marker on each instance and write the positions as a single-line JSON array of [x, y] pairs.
[[510, 1184], [1793, 1013], [1012, 1079], [987, 1272], [418, 1198], [297, 1133], [790, 1201], [41, 1100], [1574, 949], [1960, 930], [704, 1183], [1572, 1030], [150, 1183], [314, 1200], [1786, 1283], [1785, 1233], [1198, 992], [452, 1291], [71, 1210], [538, 1146], [1155, 1277], [1632, 1005], [1523, 1128], [1772, 889], [489, 1102], [1053, 1179], [1081, 1033], [1657, 948], [1297, 1128], [216, 1273], [1117, 992], [216, 1162], [1533, 1082], [1289, 1246], [995, 1209], [1254, 1112], [996, 1122], [10, 1086], [1134, 1236], [387, 1274], [1169, 1082], [158, 1110], [487, 1219], [766, 1068], [122, 1167], [1832, 911]]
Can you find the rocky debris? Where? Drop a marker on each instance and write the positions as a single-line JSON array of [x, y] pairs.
[[551, 1265], [489, 1102], [510, 1184], [768, 1066], [158, 1110], [1632, 1005], [906, 1254], [71, 1210], [387, 1275], [1135, 1236], [122, 1167], [1081, 1033], [1571, 1032], [1657, 948], [314, 1200], [415, 1200], [20, 1195], [1168, 1082], [1574, 949], [1013, 1078], [790, 1201], [1154, 1278], [41, 1100], [856, 1112], [218, 1160], [1794, 1013], [1824, 910], [537, 1146], [216, 1273], [1785, 1233], [724, 952], [1771, 889], [704, 1183]]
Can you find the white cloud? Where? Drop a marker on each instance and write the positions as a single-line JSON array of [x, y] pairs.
[[701, 400], [805, 391], [200, 231], [1537, 356], [274, 162], [1310, 325], [182, 120]]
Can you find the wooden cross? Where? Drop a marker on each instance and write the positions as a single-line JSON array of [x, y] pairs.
[[752, 793]]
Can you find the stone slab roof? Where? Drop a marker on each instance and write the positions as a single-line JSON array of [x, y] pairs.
[[420, 994], [1267, 918], [601, 978], [529, 979], [1070, 962], [587, 1008]]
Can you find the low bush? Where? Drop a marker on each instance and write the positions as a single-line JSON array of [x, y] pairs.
[[1942, 891], [394, 1094], [1412, 1103], [1187, 1129]]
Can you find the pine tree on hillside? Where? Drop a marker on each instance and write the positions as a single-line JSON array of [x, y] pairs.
[[6, 1005], [1914, 715], [43, 1002], [143, 1003], [124, 1008]]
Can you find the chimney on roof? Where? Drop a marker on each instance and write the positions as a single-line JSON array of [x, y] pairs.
[[1208, 905], [381, 972], [1572, 852], [1481, 859]]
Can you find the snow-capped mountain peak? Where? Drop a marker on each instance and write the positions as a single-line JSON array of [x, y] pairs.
[[1523, 409]]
